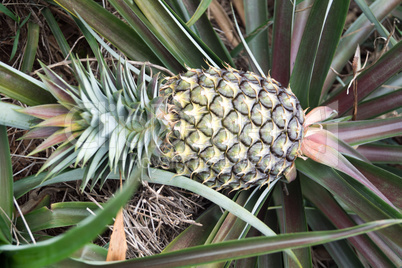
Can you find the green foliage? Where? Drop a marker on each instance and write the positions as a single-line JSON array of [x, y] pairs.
[[20, 23], [339, 187]]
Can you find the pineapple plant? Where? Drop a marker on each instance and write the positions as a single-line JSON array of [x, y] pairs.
[[212, 128], [223, 127]]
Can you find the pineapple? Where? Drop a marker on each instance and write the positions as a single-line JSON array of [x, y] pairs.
[[223, 127]]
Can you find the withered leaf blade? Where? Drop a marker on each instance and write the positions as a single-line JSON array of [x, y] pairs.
[[118, 244]]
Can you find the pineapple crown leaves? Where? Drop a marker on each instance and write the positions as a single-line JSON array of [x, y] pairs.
[[106, 124]]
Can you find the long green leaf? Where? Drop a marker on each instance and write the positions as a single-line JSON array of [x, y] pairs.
[[303, 69], [22, 87], [245, 248], [382, 153], [229, 228], [175, 35], [281, 44], [29, 183], [90, 252], [167, 178], [153, 43], [58, 215], [8, 12], [112, 28], [387, 182], [56, 31], [300, 19], [236, 51], [94, 40], [256, 13], [378, 26], [196, 235], [6, 189], [30, 50], [202, 7], [294, 218], [333, 211], [329, 41], [15, 44], [364, 203], [341, 251], [208, 34], [158, 176], [57, 248], [11, 118], [379, 105]]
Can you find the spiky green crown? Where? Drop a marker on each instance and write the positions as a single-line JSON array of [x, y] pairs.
[[107, 125]]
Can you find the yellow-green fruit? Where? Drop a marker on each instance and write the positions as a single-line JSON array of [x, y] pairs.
[[231, 129]]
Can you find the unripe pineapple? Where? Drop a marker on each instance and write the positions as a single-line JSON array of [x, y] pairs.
[[232, 128], [223, 127]]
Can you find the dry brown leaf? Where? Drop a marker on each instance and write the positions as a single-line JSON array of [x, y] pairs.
[[224, 22], [118, 243]]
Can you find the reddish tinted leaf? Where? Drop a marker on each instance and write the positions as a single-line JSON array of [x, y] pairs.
[[282, 41], [380, 105], [196, 235], [55, 78], [63, 120], [230, 229], [369, 80], [387, 182], [364, 203], [57, 91], [390, 250], [40, 133], [45, 111], [341, 251], [301, 16], [56, 138], [319, 114], [381, 153], [360, 132], [322, 153], [294, 218], [333, 211], [249, 247], [323, 136]]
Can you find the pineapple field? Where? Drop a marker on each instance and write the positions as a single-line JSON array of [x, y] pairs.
[[209, 133]]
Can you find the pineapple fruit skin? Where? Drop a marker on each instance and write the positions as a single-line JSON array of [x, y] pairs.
[[229, 128]]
